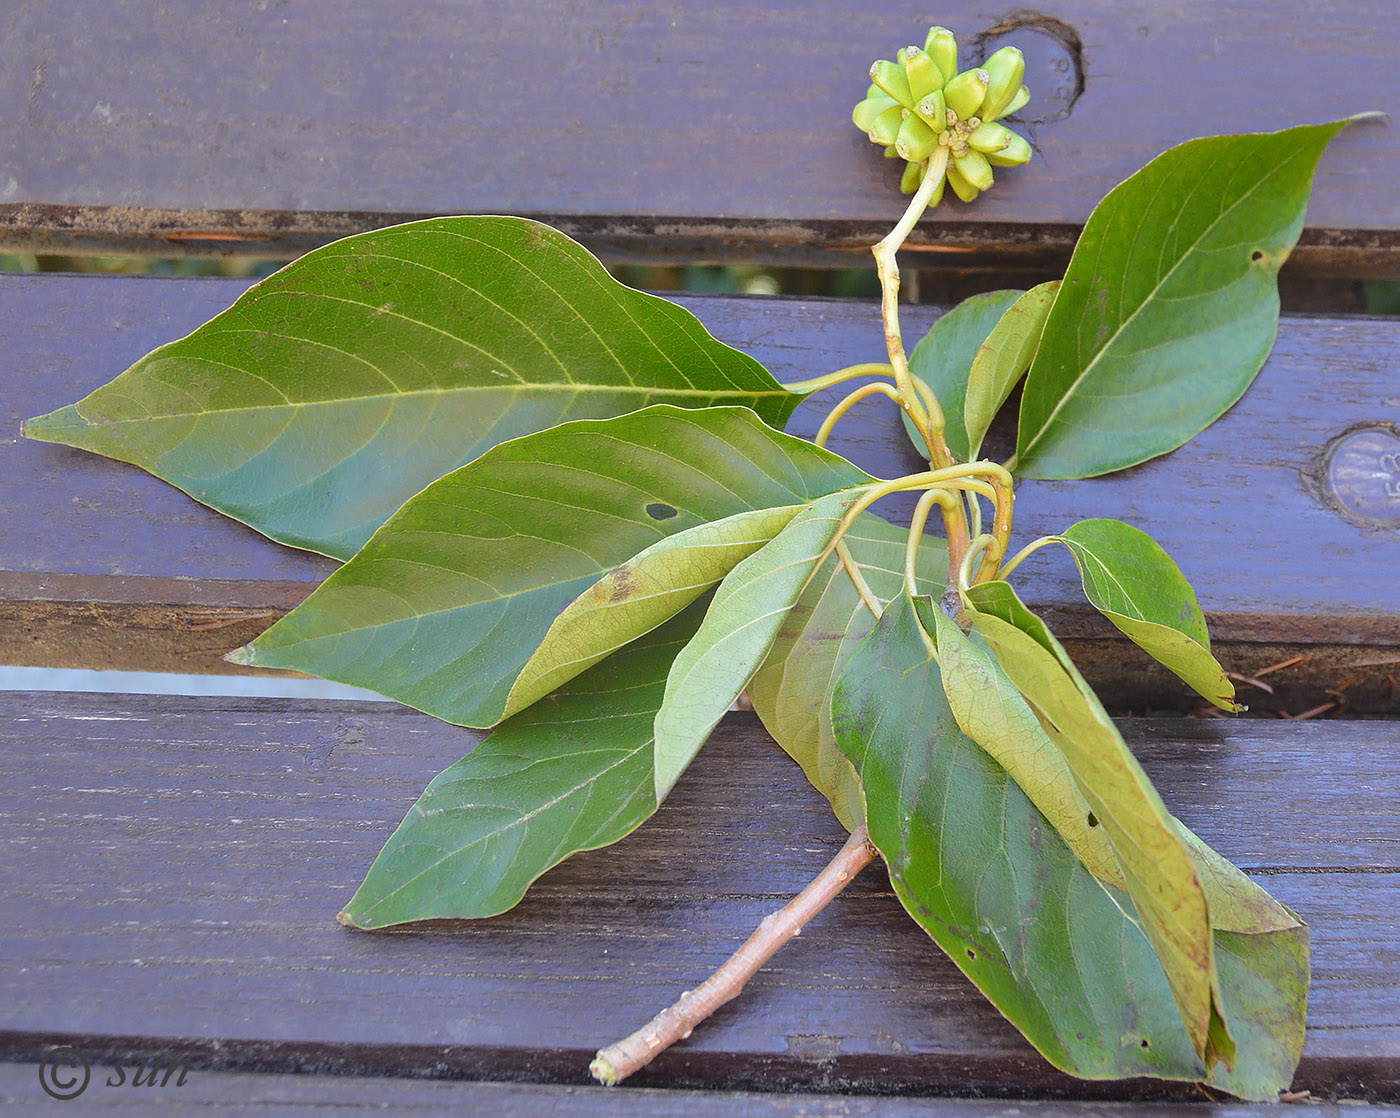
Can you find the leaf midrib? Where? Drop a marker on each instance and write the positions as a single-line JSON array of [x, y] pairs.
[[1022, 455], [394, 396]]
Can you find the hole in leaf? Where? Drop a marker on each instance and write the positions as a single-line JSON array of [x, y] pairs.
[[1093, 819], [1256, 256], [1145, 1044], [659, 511], [971, 954]]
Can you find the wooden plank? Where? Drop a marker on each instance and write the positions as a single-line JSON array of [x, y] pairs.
[[173, 867], [104, 566], [716, 131], [215, 1092]]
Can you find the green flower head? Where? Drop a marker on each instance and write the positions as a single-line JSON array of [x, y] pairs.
[[921, 103]]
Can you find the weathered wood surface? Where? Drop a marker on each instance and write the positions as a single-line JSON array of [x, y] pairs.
[[221, 1092], [104, 566], [216, 1092], [707, 131], [172, 868]]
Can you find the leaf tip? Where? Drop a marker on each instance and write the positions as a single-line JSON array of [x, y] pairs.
[[44, 428], [244, 654]]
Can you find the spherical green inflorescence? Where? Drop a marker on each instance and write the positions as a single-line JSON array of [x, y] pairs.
[[921, 102]]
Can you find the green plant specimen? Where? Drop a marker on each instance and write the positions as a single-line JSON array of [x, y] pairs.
[[569, 514]]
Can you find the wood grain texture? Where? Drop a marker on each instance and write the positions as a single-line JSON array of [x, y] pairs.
[[173, 867], [218, 1093], [102, 565], [712, 131]]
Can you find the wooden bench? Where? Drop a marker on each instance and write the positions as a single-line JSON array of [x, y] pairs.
[[172, 866]]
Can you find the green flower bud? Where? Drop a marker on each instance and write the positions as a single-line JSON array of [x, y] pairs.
[[890, 77], [1017, 102], [965, 92], [1005, 69], [913, 177], [924, 76], [942, 48], [974, 168], [961, 187], [1016, 152], [916, 140], [879, 118], [989, 137], [891, 153], [866, 112], [934, 111]]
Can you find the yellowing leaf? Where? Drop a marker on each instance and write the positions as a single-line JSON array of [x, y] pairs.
[[991, 712], [1159, 870], [1135, 584], [639, 595], [1003, 359], [740, 627]]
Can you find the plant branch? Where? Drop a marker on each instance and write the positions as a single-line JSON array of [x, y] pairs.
[[888, 271], [616, 1062], [1001, 529]]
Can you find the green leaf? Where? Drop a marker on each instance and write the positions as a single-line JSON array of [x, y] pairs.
[[944, 357], [739, 629], [446, 604], [1160, 872], [1060, 954], [1170, 303], [337, 388], [791, 691], [572, 773], [1134, 583], [992, 713], [1003, 359], [639, 595]]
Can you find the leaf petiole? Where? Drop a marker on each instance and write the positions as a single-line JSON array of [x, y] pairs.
[[879, 387], [852, 569], [1034, 545], [850, 372], [985, 542], [950, 505]]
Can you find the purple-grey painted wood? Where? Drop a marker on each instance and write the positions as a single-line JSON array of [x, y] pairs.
[[225, 1093], [102, 565], [723, 127], [221, 1093], [172, 869]]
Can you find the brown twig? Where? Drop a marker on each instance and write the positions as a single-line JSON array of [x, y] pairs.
[[1249, 681], [1292, 661], [1313, 712], [1373, 663], [617, 1061]]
